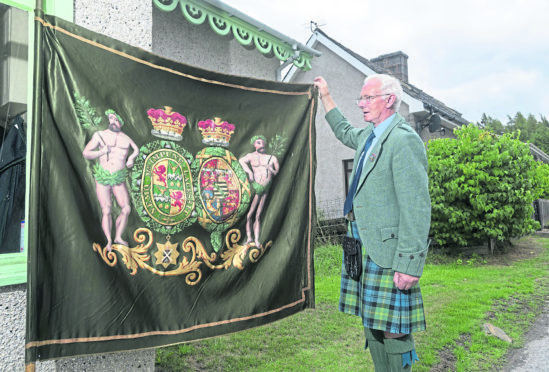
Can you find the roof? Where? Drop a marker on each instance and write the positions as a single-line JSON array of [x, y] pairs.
[[538, 154], [413, 91]]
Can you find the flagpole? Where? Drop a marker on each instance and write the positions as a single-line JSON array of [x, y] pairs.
[[34, 186]]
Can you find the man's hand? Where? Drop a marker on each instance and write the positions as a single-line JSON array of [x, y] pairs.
[[404, 281], [322, 86], [325, 97]]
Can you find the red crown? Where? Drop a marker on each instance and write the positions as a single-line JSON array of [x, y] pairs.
[[167, 124], [216, 133]]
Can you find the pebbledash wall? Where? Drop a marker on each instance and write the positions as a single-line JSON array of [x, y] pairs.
[[141, 24]]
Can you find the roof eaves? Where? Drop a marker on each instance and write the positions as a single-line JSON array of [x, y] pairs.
[[249, 32], [537, 152]]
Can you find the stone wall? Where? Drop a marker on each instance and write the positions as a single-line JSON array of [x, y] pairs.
[[13, 307]]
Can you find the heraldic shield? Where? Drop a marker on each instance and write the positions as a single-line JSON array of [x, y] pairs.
[[222, 189], [163, 187], [223, 192]]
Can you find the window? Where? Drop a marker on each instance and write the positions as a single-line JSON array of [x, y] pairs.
[[14, 84], [347, 171], [16, 70]]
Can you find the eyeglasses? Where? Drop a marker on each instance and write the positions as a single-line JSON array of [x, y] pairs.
[[369, 99]]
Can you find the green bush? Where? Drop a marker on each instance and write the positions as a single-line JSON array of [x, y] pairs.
[[482, 187], [542, 180]]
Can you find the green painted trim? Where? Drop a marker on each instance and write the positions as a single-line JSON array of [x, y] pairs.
[[219, 26], [30, 114], [27, 5], [166, 7], [60, 8], [193, 14], [246, 34], [13, 268]]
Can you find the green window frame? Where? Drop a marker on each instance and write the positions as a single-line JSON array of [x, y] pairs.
[[13, 266]]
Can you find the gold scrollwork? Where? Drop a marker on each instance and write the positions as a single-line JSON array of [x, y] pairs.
[[138, 257]]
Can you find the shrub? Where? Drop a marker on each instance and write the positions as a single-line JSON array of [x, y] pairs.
[[482, 187], [542, 180]]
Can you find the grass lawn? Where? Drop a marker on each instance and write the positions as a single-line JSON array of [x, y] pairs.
[[460, 294]]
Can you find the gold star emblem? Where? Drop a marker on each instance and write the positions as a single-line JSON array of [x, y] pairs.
[[166, 254]]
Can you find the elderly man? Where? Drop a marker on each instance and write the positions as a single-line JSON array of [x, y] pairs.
[[389, 213]]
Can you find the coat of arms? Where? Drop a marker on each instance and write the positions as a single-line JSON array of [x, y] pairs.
[[172, 190]]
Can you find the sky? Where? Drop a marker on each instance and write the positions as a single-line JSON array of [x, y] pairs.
[[476, 56]]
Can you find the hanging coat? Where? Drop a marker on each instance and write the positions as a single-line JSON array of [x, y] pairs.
[[12, 186]]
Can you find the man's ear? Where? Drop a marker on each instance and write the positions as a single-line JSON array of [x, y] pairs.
[[390, 101]]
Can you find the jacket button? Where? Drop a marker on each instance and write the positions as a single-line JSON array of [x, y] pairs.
[[400, 255], [411, 257], [421, 254], [392, 235]]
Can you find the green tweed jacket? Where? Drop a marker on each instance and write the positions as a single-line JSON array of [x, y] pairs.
[[392, 206]]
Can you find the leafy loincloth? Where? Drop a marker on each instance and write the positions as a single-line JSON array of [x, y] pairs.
[[104, 177], [260, 189]]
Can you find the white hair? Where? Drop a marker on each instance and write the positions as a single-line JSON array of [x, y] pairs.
[[389, 85]]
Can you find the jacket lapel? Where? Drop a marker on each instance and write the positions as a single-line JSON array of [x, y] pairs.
[[371, 161], [363, 138]]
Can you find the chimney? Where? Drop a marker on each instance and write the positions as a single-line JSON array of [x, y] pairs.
[[396, 63]]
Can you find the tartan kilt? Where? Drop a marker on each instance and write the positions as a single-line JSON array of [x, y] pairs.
[[381, 305]]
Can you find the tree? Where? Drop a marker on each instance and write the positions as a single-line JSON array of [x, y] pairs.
[[528, 128], [482, 187], [491, 124]]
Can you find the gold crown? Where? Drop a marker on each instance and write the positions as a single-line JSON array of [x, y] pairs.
[[216, 132], [167, 124]]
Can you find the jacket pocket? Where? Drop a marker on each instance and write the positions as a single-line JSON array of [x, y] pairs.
[[388, 233]]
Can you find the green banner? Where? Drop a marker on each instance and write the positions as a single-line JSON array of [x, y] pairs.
[[168, 203]]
